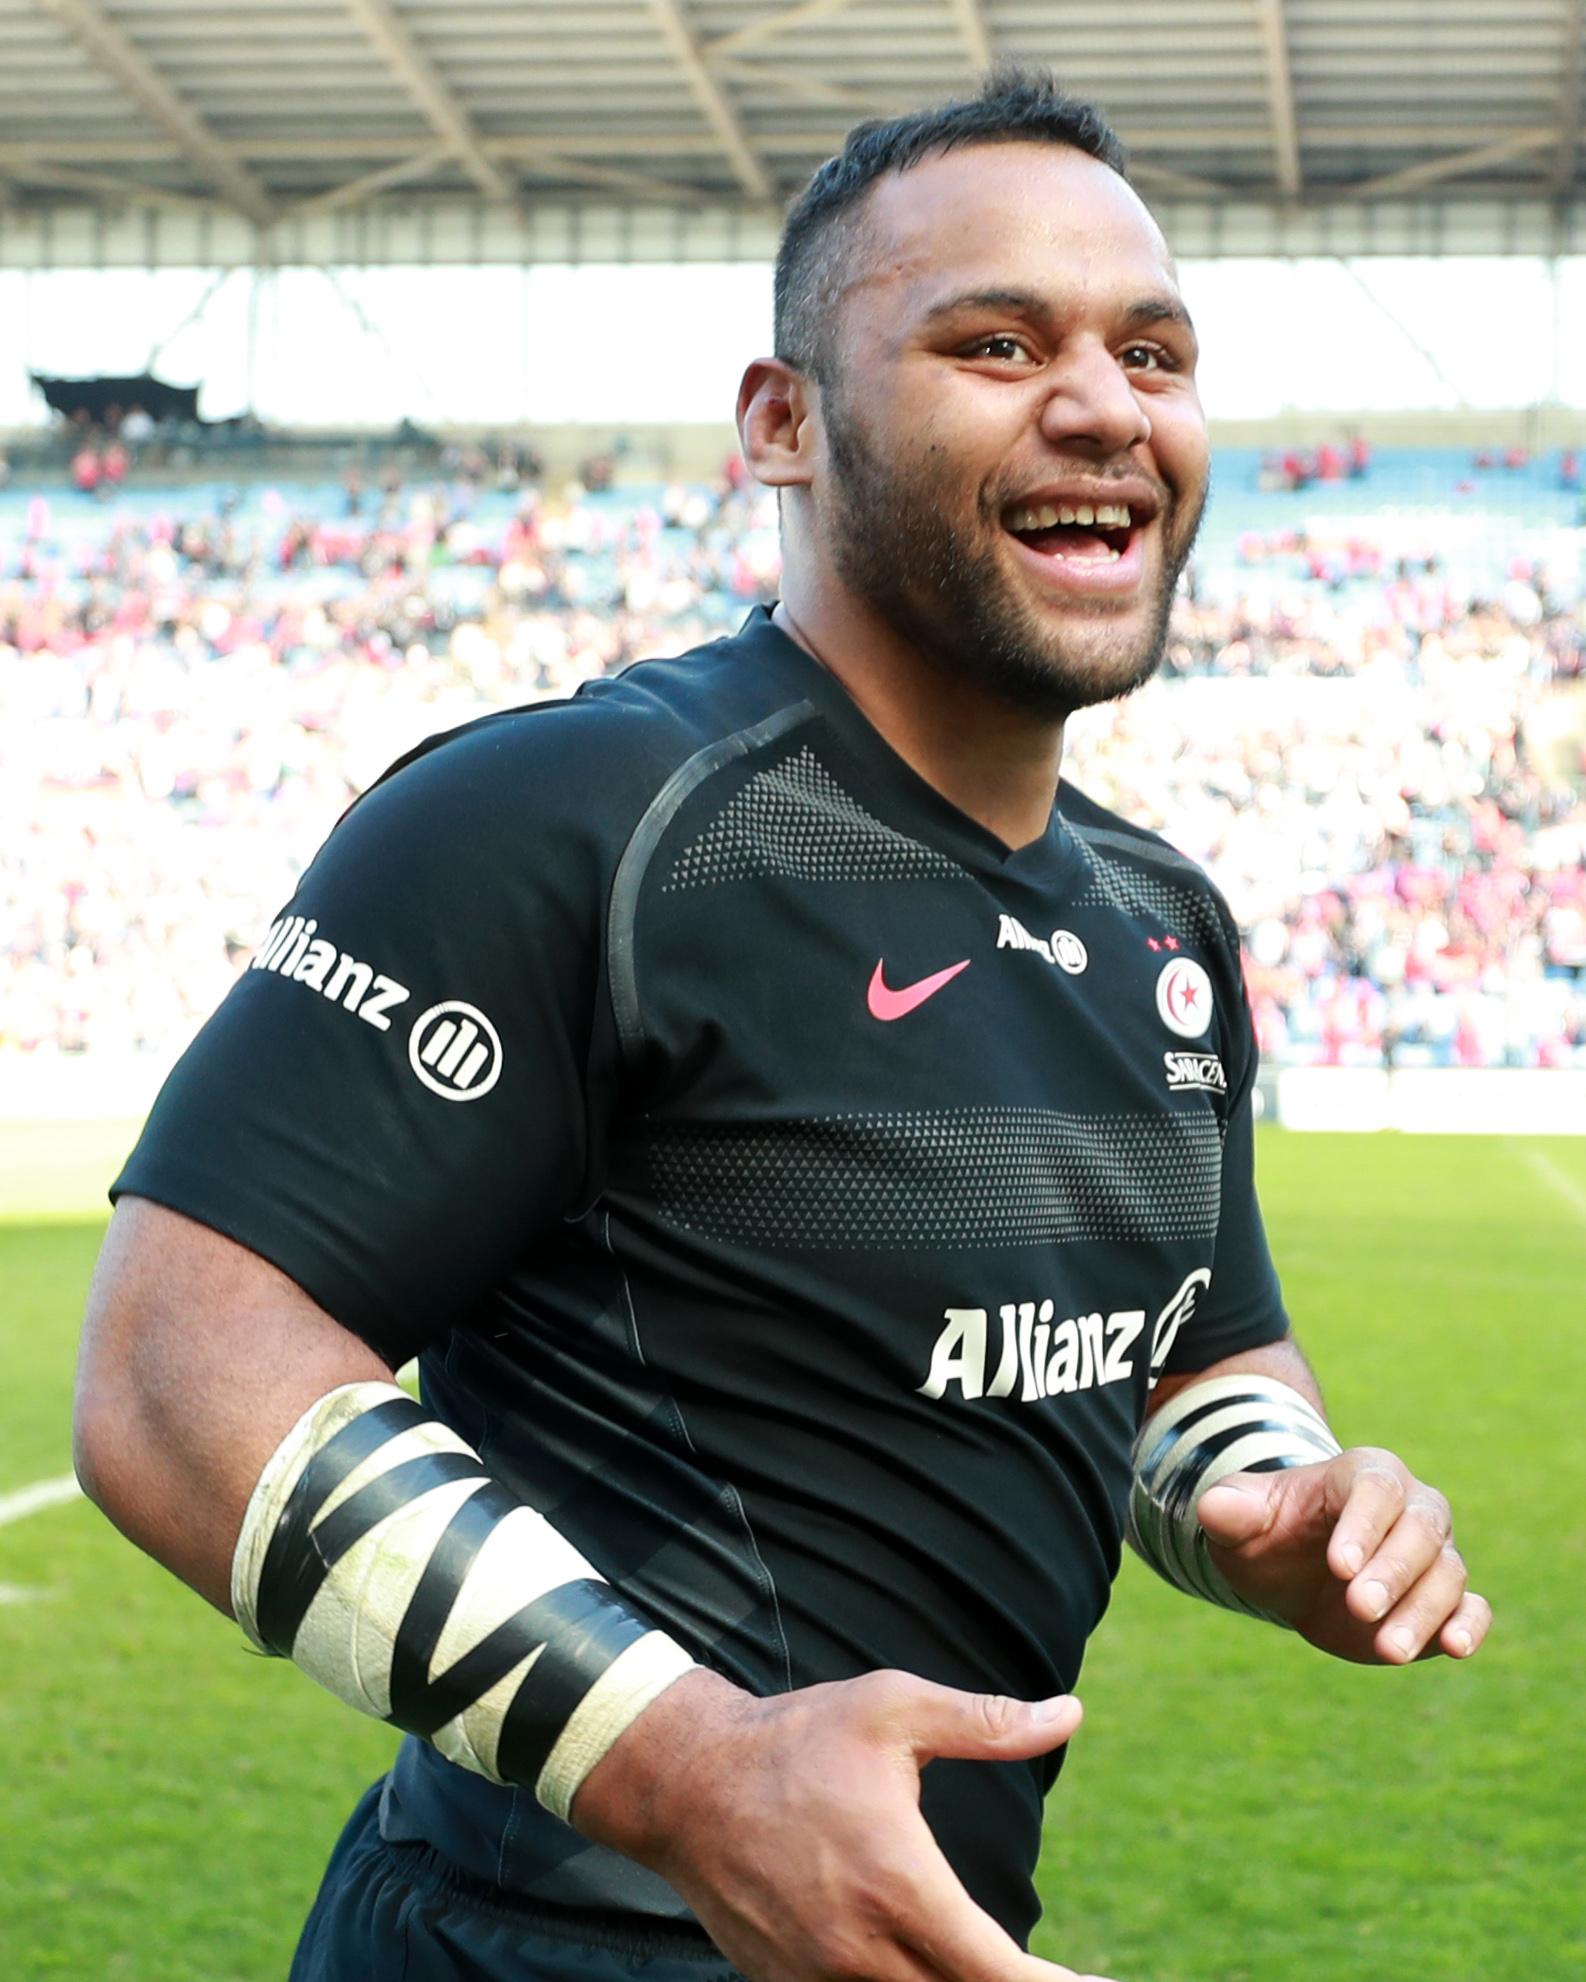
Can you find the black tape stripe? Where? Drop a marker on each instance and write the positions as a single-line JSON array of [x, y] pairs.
[[581, 1627], [1167, 1439], [584, 1627], [303, 1568], [336, 1459], [1179, 1490], [400, 1487], [414, 1699]]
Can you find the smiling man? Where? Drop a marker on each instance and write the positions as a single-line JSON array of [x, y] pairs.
[[808, 1148]]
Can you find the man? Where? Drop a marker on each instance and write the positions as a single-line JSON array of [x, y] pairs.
[[803, 1156]]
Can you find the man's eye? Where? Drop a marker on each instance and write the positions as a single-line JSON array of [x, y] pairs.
[[999, 345], [1145, 358]]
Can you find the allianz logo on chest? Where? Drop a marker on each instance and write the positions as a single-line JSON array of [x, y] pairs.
[[1062, 948], [1028, 1353]]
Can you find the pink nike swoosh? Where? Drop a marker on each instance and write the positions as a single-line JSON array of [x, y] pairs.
[[885, 1004]]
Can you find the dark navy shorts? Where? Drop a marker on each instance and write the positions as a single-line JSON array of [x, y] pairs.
[[402, 1913]]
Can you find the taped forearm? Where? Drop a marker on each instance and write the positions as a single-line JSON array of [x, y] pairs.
[[377, 1554], [1204, 1433]]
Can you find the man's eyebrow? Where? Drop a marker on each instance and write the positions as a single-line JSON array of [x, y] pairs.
[[1158, 309], [1027, 303]]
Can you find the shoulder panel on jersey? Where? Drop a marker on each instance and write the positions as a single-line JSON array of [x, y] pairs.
[[1140, 873], [1121, 877], [795, 819], [644, 840], [1143, 846]]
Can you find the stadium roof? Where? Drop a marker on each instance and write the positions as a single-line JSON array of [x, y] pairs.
[[164, 131]]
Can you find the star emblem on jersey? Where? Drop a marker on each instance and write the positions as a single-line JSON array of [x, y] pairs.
[[455, 1051], [886, 1004], [1184, 998]]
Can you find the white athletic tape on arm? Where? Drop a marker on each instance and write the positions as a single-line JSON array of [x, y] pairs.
[[378, 1555], [1209, 1430]]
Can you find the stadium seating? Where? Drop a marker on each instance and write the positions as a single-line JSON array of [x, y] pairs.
[[1367, 727]]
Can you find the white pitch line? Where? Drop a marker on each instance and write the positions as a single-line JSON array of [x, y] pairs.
[[43, 1493], [1558, 1180]]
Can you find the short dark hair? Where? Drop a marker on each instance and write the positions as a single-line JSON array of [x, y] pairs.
[[821, 231]]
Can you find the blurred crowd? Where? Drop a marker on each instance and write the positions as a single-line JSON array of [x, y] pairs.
[[1381, 768]]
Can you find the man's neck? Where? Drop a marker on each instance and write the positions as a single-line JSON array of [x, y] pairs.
[[994, 761]]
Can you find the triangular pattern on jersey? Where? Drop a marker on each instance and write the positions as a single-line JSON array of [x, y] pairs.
[[932, 1177], [1124, 884], [795, 819]]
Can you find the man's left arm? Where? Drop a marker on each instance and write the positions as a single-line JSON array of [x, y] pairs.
[[1351, 1550]]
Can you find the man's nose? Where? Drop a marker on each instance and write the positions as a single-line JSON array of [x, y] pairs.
[[1093, 401]]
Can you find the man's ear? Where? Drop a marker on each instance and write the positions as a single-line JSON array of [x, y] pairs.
[[777, 427]]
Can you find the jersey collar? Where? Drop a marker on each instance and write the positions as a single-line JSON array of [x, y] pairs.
[[931, 816]]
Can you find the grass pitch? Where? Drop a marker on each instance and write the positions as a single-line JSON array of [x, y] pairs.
[[1236, 1806]]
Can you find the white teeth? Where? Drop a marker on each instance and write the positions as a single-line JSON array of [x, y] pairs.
[[1093, 557], [1045, 516]]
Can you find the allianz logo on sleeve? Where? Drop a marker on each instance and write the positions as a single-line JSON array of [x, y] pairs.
[[453, 1048], [293, 951]]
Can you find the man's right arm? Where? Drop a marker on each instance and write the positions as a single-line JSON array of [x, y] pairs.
[[790, 1825], [197, 1355]]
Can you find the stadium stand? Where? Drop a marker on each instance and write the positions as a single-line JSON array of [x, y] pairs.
[[1368, 725]]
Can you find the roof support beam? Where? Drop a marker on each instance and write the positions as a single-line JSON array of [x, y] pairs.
[[1435, 170], [94, 31], [771, 25], [612, 178], [353, 192], [813, 89], [1145, 139], [1569, 89], [971, 23], [1280, 95], [684, 47], [1171, 180], [26, 171], [432, 93]]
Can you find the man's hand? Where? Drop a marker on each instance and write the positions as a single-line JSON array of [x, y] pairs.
[[792, 1825], [1356, 1553]]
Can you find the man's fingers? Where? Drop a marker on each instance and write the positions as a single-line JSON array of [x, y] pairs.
[[1461, 1636], [1411, 1547], [1031, 1968], [1368, 1487], [1415, 1621], [940, 1720], [959, 1942]]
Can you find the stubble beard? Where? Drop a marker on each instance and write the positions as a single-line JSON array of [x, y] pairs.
[[895, 545]]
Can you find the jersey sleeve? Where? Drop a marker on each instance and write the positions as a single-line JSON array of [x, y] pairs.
[[1242, 1308], [406, 1088]]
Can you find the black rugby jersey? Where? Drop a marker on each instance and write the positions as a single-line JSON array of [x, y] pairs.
[[788, 1189]]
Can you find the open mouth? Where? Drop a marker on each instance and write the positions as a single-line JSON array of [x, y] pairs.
[[1082, 533]]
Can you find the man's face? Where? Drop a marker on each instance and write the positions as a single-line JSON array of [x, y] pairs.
[[1016, 457]]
